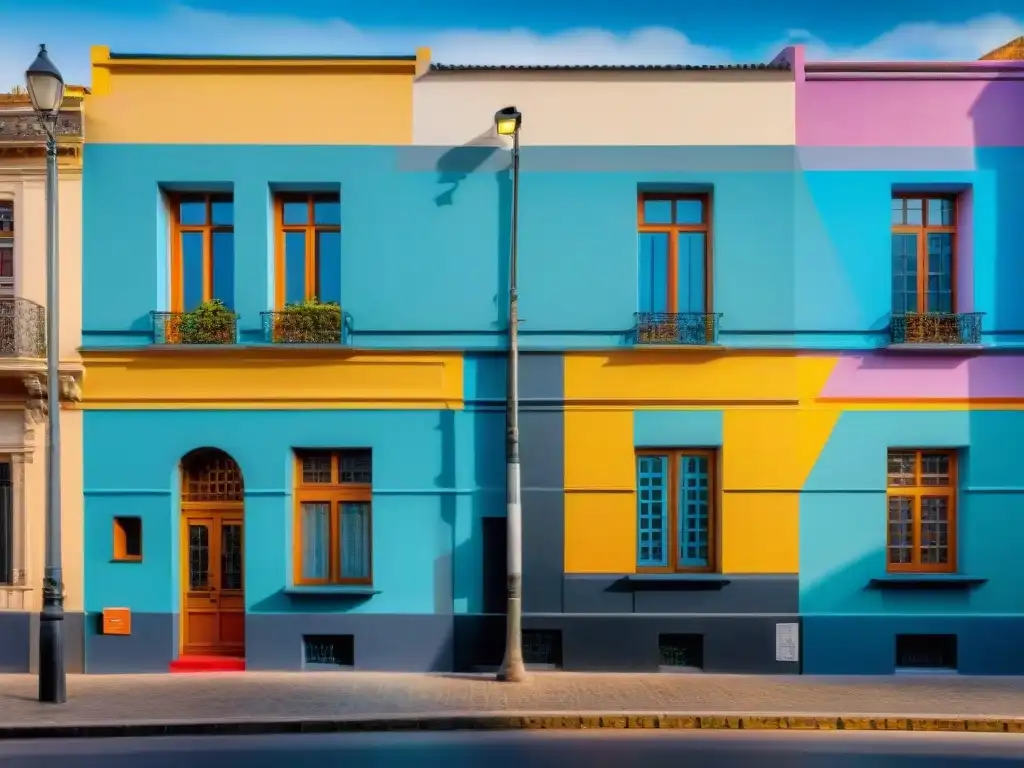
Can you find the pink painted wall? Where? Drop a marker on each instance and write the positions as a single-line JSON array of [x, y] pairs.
[[890, 112], [904, 377]]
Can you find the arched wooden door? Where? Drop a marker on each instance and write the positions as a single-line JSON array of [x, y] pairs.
[[212, 553]]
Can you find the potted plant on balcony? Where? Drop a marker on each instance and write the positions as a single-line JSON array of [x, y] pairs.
[[309, 322], [209, 323]]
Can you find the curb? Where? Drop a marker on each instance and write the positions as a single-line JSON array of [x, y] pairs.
[[564, 722]]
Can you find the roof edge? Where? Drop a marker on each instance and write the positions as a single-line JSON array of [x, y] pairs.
[[913, 67], [774, 66]]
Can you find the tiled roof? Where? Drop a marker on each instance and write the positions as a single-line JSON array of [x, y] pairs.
[[777, 66], [1011, 51]]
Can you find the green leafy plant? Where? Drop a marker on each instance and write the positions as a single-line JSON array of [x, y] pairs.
[[209, 323], [308, 322]]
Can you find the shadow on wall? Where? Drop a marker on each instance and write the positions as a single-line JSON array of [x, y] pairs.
[[454, 167]]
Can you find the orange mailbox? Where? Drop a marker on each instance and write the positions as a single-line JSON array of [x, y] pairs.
[[117, 621]]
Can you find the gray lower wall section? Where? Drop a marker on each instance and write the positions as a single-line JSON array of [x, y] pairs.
[[150, 648], [19, 642], [735, 594], [732, 644], [542, 454], [383, 642]]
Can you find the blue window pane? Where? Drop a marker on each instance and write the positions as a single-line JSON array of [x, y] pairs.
[[193, 270], [192, 211], [223, 254], [222, 212], [355, 541], [652, 513], [328, 266], [295, 212], [294, 267], [316, 541], [940, 273], [653, 272], [897, 210], [657, 211], [327, 211], [694, 506], [689, 211], [940, 212], [691, 293], [914, 212], [904, 273]]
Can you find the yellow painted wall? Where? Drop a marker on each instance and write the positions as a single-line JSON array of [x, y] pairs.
[[773, 431], [279, 379], [251, 101]]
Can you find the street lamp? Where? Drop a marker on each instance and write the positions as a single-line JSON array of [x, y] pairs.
[[507, 122], [46, 89]]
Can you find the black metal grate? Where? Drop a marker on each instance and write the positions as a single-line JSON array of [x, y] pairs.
[[329, 650], [677, 328], [942, 328], [926, 652], [681, 650], [542, 647], [22, 328]]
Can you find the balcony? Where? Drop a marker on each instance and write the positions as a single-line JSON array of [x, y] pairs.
[[931, 330], [200, 328], [677, 328], [307, 324], [22, 328]]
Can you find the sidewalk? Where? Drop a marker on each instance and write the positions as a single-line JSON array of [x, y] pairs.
[[287, 702]]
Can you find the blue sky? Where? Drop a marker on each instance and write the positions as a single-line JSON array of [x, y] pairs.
[[525, 31]]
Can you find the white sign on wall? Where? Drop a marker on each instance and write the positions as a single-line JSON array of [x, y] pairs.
[[787, 642]]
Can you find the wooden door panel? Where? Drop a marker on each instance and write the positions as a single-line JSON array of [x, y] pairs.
[[214, 598]]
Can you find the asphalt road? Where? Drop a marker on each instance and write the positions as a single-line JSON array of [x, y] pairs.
[[536, 749]]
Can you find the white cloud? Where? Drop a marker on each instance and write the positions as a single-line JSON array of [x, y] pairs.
[[920, 41], [181, 29]]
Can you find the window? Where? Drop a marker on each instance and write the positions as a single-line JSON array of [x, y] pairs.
[[333, 500], [6, 244], [202, 250], [128, 538], [308, 248], [922, 511], [6, 525], [923, 260], [675, 510], [674, 263]]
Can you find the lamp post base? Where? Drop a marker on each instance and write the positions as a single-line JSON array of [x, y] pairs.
[[512, 672], [52, 680]]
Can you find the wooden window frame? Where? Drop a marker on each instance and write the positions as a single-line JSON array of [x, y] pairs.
[[311, 229], [673, 230], [672, 493], [922, 233], [334, 493], [121, 539], [917, 491], [208, 229]]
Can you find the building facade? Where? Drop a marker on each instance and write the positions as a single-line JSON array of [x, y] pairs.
[[898, 565], [759, 435], [23, 375]]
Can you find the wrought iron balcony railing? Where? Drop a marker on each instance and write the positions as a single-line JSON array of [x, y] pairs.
[[306, 324], [195, 328], [938, 328], [677, 328], [22, 328]]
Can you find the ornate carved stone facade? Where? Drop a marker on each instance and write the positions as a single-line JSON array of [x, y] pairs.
[[21, 136]]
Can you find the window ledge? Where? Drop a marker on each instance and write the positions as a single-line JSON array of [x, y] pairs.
[[126, 560], [926, 581], [933, 349], [333, 590], [694, 581]]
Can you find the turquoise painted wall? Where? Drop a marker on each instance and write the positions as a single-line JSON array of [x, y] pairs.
[[843, 513], [435, 475]]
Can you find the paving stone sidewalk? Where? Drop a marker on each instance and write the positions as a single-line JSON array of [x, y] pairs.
[[257, 696]]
